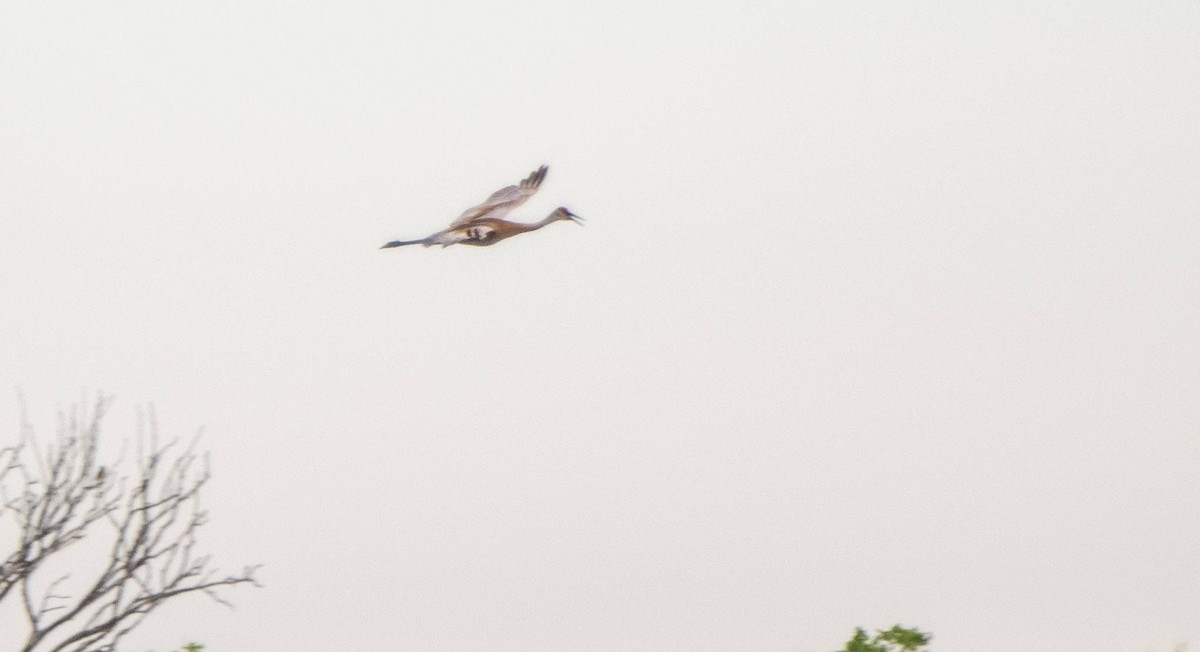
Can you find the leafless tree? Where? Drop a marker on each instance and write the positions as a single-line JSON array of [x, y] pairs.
[[97, 547]]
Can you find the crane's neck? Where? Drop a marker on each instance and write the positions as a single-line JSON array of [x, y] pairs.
[[534, 226]]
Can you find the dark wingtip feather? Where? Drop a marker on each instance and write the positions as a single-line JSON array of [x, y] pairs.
[[535, 179]]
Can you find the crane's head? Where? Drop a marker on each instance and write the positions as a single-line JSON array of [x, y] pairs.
[[564, 213]]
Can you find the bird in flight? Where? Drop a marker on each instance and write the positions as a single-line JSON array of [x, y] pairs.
[[485, 225]]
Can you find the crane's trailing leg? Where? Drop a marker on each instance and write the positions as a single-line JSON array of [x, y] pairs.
[[401, 243]]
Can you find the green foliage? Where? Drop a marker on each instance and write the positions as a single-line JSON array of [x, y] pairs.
[[860, 643], [896, 639]]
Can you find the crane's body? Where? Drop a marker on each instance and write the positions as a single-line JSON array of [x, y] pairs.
[[484, 225]]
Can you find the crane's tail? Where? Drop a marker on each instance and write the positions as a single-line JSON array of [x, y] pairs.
[[401, 243]]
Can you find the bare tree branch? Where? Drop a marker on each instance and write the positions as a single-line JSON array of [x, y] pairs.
[[150, 516]]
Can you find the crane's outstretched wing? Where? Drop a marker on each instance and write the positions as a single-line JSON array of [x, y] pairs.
[[504, 200]]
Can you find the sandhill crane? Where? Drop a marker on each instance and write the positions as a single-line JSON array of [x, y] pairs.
[[483, 225]]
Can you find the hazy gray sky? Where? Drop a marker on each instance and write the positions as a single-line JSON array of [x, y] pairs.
[[885, 312]]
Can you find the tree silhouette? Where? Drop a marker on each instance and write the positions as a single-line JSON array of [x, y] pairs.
[[97, 548], [896, 639]]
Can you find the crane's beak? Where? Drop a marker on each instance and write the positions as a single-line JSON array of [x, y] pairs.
[[575, 218]]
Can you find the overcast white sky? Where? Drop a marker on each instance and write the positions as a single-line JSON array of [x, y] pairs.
[[884, 312]]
